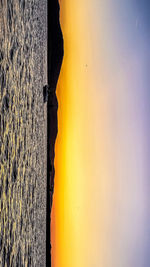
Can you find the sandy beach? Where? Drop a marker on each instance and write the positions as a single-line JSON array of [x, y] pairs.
[[23, 155]]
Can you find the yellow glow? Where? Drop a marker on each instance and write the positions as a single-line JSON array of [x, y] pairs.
[[69, 184], [76, 147]]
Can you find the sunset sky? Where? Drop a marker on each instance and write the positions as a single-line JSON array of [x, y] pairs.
[[101, 208]]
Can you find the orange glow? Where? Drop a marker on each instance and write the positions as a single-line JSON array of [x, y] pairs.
[[76, 147], [68, 196]]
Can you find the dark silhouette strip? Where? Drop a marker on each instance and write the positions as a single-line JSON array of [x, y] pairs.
[[55, 57]]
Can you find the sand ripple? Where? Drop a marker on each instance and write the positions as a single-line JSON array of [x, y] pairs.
[[20, 131]]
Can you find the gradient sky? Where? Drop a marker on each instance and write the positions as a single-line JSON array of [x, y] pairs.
[[101, 208]]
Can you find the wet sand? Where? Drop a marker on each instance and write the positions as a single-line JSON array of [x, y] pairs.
[[23, 155]]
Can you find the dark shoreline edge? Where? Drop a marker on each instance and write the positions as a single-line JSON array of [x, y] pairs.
[[55, 52]]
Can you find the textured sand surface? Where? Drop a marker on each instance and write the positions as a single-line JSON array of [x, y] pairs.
[[23, 156]]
